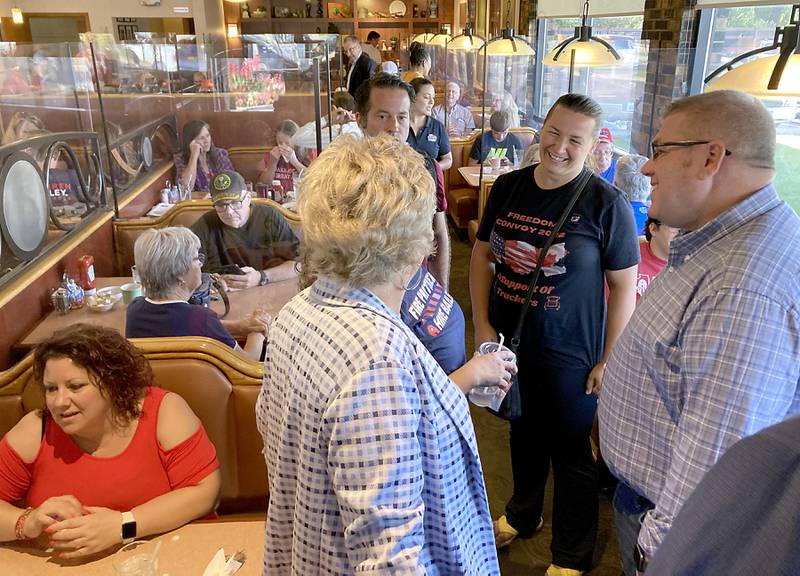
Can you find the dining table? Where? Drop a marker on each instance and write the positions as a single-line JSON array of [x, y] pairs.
[[270, 298], [472, 176], [185, 551]]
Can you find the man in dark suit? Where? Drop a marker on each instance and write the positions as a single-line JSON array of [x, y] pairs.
[[361, 65]]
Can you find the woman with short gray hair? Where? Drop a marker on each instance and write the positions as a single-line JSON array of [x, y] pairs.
[[629, 179], [168, 261]]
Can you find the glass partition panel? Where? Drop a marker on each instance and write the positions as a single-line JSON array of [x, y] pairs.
[[50, 175], [267, 98], [140, 130]]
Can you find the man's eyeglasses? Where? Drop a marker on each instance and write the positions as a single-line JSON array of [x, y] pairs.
[[657, 148], [201, 258], [234, 205]]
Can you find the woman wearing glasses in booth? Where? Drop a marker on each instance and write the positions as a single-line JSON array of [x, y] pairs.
[[168, 261]]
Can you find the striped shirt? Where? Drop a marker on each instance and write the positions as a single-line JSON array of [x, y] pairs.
[[711, 355], [372, 458]]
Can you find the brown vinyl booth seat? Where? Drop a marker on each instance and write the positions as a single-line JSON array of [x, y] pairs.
[[246, 160], [181, 214], [462, 199], [220, 386]]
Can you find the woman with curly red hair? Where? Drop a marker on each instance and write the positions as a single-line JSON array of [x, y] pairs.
[[110, 458]]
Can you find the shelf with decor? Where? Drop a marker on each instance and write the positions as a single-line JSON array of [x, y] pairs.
[[280, 16]]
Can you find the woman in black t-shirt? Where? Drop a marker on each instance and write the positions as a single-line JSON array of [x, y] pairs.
[[568, 331]]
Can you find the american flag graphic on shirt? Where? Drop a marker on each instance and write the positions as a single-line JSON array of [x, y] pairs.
[[522, 257]]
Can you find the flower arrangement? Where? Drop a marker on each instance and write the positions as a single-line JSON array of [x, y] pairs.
[[251, 85]]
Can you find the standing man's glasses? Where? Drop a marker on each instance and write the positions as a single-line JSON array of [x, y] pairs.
[[656, 148]]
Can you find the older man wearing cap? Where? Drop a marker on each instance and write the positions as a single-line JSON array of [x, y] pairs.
[[250, 245], [603, 156]]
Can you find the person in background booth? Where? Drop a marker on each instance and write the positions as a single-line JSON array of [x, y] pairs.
[[370, 47], [497, 142], [281, 163], [343, 112], [168, 261], [389, 67], [371, 454], [419, 62], [603, 156], [196, 165], [110, 458], [459, 120], [628, 177], [654, 251], [569, 330], [249, 245], [531, 156], [504, 101], [426, 133]]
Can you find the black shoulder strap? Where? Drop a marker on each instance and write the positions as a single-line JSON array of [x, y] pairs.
[[579, 188]]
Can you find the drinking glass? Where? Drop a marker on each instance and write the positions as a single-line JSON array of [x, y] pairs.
[[131, 560]]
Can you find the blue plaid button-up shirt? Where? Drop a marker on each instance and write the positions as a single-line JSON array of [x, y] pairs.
[[711, 354], [372, 459]]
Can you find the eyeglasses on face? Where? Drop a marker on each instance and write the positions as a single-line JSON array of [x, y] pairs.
[[657, 148], [234, 205], [201, 258]]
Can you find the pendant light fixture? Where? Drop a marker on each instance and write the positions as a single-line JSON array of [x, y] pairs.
[[769, 77], [438, 39], [582, 49], [509, 45]]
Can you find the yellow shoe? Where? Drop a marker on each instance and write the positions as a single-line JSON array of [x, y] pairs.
[[554, 570], [504, 533]]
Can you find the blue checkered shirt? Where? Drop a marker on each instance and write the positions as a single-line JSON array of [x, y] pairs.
[[711, 354], [372, 459]]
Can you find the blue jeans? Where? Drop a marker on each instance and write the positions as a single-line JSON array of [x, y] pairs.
[[629, 508]]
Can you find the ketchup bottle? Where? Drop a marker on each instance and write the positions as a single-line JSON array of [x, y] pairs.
[[86, 273]]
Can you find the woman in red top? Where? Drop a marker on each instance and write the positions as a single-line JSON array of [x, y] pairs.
[[110, 458]]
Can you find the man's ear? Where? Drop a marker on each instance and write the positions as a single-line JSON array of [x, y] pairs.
[[362, 120], [714, 157]]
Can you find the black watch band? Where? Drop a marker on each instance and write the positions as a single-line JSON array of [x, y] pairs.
[[128, 528], [264, 278], [639, 558]]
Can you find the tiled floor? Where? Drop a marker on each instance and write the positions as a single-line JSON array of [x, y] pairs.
[[525, 557]]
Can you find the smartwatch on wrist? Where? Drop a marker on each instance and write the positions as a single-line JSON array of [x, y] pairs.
[[264, 278], [639, 558], [128, 527]]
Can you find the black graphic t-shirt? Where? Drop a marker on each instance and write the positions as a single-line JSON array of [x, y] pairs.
[[565, 325]]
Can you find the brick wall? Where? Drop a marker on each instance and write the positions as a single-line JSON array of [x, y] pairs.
[[669, 25]]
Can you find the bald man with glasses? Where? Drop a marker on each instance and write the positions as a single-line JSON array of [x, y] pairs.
[[249, 245], [712, 352]]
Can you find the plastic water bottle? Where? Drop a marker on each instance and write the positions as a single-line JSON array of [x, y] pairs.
[[174, 194]]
